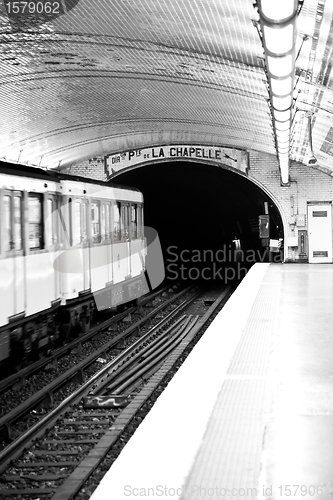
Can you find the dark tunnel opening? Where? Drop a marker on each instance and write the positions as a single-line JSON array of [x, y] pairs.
[[203, 214]]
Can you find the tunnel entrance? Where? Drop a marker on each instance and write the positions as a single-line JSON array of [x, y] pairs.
[[206, 217]]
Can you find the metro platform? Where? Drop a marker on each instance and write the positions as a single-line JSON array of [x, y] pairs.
[[250, 412]]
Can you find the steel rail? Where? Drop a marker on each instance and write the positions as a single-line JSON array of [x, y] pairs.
[[121, 367], [76, 480], [109, 436], [45, 394], [153, 359], [11, 380], [14, 449]]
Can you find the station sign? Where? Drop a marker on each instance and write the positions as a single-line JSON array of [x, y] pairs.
[[228, 157]]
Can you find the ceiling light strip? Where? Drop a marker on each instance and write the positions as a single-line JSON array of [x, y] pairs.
[[278, 27]]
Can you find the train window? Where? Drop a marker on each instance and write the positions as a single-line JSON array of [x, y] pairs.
[[103, 222], [35, 220], [140, 221], [7, 217], [48, 223], [17, 222], [51, 222], [95, 222], [124, 220], [107, 221], [134, 221], [70, 220], [84, 221], [12, 222], [77, 224], [117, 221]]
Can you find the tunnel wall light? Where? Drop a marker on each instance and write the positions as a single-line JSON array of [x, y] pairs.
[[278, 28]]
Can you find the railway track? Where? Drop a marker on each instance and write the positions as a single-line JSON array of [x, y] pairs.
[[18, 379], [42, 399], [74, 438]]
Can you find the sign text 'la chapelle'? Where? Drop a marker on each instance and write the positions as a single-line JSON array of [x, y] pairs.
[[230, 157]]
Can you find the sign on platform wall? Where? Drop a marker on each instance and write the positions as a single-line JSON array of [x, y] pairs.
[[230, 157]]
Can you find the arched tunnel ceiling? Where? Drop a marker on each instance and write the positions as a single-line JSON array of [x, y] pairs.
[[111, 75]]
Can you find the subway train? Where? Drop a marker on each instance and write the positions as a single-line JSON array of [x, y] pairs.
[[67, 245]]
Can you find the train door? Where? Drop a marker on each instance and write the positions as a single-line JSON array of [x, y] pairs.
[[116, 238], [52, 239], [136, 243], [125, 254], [85, 246], [320, 233], [120, 242], [13, 246], [126, 218], [107, 257]]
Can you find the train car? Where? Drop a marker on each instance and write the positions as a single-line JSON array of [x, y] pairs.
[[67, 245]]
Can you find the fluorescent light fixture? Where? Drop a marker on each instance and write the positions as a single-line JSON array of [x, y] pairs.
[[283, 142], [284, 158], [280, 66], [281, 87], [281, 116], [282, 125], [279, 40], [282, 133], [278, 10], [282, 136], [278, 27], [283, 145], [281, 103], [284, 170], [285, 151]]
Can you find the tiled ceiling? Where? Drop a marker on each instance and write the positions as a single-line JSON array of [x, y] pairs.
[[111, 75]]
